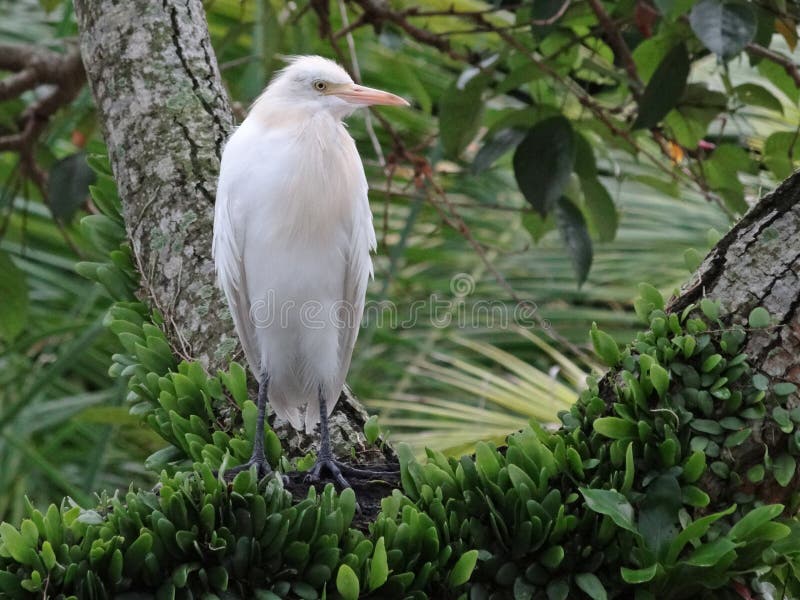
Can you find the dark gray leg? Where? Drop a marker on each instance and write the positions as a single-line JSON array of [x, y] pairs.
[[258, 458], [325, 459]]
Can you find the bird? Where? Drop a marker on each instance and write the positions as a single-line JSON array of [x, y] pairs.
[[292, 246]]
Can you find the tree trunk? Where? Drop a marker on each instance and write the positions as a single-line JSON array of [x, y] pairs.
[[166, 116], [758, 264]]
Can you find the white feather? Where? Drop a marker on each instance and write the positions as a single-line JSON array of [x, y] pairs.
[[292, 239]]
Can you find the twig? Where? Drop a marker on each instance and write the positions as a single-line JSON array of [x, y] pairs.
[[787, 63], [351, 46], [621, 49]]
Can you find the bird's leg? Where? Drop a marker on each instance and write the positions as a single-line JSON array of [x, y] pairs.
[[325, 459], [258, 457]]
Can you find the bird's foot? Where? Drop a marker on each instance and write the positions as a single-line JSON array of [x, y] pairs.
[[262, 468], [338, 470]]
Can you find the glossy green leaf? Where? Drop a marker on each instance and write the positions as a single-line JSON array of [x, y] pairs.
[[757, 95], [615, 428], [600, 210], [543, 162], [347, 583], [759, 317], [463, 568], [638, 576], [604, 346], [784, 469], [68, 187], [379, 568], [664, 89], [658, 513], [612, 504], [590, 584], [575, 235], [460, 111]]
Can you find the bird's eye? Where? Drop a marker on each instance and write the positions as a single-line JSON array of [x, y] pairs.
[[320, 86]]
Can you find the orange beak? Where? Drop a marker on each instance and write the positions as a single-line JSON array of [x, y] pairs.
[[365, 96]]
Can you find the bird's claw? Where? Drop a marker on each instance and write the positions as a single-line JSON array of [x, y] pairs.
[[262, 469], [333, 467]]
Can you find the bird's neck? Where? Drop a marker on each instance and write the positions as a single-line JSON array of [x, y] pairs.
[[276, 114]]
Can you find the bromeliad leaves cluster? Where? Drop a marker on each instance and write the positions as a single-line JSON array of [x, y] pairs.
[[616, 502]]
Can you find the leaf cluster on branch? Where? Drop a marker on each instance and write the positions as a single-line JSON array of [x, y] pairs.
[[640, 490]]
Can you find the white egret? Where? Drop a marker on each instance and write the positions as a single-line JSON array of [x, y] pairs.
[[292, 240]]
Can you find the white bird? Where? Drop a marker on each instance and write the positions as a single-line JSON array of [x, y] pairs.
[[292, 240]]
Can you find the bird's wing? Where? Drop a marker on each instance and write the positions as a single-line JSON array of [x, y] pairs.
[[357, 275], [226, 249]]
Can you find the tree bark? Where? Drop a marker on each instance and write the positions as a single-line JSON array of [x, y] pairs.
[[758, 264], [166, 116]]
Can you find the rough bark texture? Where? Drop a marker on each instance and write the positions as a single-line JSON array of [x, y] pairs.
[[166, 116], [758, 264]]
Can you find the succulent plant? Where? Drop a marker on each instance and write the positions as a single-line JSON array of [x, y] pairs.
[[612, 504]]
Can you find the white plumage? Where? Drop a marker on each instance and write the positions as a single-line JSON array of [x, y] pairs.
[[293, 235]]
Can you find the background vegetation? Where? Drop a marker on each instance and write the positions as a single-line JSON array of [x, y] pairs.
[[641, 198]]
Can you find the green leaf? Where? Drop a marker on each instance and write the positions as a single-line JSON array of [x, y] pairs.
[[610, 503], [692, 259], [694, 466], [777, 75], [600, 209], [460, 111], [615, 428], [572, 227], [558, 590], [590, 584], [543, 162], [604, 346], [636, 576], [693, 531], [495, 147], [749, 523], [379, 568], [689, 124], [756, 95], [781, 153], [724, 27], [659, 377], [347, 583], [706, 426], [463, 568], [673, 8], [658, 514], [665, 88], [14, 294], [536, 225], [784, 469], [68, 187], [712, 553], [784, 388], [371, 429], [759, 317]]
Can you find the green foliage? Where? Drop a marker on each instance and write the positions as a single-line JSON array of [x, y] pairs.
[[606, 502]]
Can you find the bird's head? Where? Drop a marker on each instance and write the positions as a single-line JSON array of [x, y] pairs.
[[316, 83]]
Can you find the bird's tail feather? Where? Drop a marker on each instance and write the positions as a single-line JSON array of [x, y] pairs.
[[288, 404]]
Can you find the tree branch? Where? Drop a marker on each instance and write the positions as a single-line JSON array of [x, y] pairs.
[[621, 50], [784, 61]]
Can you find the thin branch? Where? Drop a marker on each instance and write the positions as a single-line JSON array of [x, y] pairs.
[[351, 46], [621, 50], [780, 59]]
